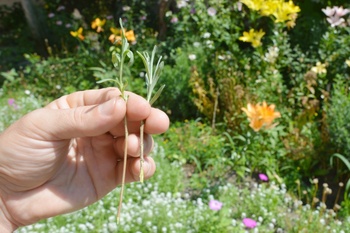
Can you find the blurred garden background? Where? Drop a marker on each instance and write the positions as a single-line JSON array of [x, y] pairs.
[[257, 92]]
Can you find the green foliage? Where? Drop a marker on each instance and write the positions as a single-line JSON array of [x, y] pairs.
[[195, 143], [177, 102], [338, 118], [53, 77], [15, 104]]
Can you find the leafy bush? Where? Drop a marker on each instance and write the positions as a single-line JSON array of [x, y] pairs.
[[195, 143]]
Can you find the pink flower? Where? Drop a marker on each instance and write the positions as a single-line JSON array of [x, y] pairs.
[[174, 19], [215, 205], [249, 223], [335, 15], [263, 177], [12, 103]]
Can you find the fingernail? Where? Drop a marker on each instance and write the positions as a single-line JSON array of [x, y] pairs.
[[107, 108]]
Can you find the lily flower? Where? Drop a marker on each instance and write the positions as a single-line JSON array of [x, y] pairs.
[[98, 24], [261, 115], [78, 33], [116, 35], [253, 37], [335, 14]]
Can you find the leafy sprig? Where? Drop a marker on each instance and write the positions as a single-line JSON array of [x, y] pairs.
[[118, 60], [152, 77]]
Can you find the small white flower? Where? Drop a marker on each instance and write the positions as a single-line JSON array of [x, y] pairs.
[[196, 44], [234, 222], [27, 92], [168, 13], [211, 11], [221, 57], [206, 35], [112, 226], [182, 3], [126, 8], [272, 54], [192, 57]]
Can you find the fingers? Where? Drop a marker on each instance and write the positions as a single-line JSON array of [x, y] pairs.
[[133, 169], [133, 148], [82, 114], [95, 112], [85, 98], [138, 108], [86, 121], [157, 122]]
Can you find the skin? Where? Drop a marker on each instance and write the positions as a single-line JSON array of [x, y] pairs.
[[69, 154]]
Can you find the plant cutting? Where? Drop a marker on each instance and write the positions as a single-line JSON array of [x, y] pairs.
[[152, 77], [118, 60]]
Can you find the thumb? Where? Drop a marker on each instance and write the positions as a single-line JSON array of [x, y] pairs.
[[83, 121]]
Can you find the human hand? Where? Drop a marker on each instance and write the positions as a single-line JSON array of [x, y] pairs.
[[69, 154]]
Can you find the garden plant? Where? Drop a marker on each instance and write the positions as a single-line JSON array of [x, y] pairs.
[[257, 92]]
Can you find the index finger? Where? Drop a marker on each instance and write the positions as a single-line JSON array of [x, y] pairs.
[[85, 98], [137, 108]]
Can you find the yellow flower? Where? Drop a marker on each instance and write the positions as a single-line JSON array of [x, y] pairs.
[[116, 35], [269, 8], [78, 33], [281, 10], [98, 24], [253, 4], [319, 68], [286, 12], [260, 116], [347, 62], [253, 37]]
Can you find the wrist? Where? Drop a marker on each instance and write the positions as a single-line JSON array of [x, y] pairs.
[[6, 226]]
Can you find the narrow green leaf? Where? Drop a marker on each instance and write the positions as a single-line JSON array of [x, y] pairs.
[[342, 158], [130, 55], [155, 97], [99, 69], [107, 80]]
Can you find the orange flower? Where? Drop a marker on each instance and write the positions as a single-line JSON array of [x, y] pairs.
[[130, 36], [98, 24], [78, 33], [116, 35], [260, 116]]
